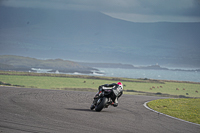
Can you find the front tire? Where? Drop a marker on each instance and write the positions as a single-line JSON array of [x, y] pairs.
[[92, 107], [100, 106]]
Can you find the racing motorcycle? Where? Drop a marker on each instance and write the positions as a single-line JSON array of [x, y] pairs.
[[104, 99]]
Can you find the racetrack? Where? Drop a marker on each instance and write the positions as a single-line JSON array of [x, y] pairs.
[[57, 111]]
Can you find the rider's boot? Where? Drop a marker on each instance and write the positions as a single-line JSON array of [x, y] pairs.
[[115, 104]]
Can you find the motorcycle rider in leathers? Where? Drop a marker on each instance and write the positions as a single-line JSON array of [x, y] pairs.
[[116, 93]]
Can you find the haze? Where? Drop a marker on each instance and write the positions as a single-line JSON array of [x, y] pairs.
[[117, 31]]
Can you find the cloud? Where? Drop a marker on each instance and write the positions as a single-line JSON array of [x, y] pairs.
[[50, 4], [130, 10], [157, 10]]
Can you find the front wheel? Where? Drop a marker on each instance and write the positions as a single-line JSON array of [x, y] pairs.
[[101, 105], [92, 107]]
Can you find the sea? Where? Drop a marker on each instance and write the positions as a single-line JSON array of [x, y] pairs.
[[193, 76]]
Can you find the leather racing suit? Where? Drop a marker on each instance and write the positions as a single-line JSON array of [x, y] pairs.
[[116, 93]]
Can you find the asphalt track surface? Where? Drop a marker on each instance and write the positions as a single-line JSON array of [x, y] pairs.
[[25, 110]]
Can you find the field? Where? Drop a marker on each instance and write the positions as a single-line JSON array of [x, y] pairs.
[[186, 109], [91, 83]]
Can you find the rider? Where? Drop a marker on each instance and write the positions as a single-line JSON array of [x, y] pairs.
[[117, 92]]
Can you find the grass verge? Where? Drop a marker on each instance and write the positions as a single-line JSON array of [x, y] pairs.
[[184, 108]]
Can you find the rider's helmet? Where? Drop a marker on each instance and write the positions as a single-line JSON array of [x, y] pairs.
[[120, 86]]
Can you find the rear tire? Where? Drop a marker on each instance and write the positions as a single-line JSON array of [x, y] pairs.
[[99, 107]]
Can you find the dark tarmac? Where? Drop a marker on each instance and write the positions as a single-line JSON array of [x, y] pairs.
[[25, 110]]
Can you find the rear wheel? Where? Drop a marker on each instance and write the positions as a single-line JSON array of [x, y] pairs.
[[100, 106]]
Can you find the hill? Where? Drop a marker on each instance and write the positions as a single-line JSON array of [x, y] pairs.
[[19, 63], [95, 37]]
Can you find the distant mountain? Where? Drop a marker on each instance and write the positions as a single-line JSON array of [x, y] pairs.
[[19, 63], [95, 37]]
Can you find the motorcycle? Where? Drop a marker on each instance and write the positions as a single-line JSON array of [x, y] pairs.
[[104, 99]]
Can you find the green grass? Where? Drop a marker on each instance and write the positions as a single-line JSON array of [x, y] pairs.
[[44, 82], [186, 109], [135, 86]]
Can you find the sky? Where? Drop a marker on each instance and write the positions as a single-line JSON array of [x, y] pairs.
[[129, 10]]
